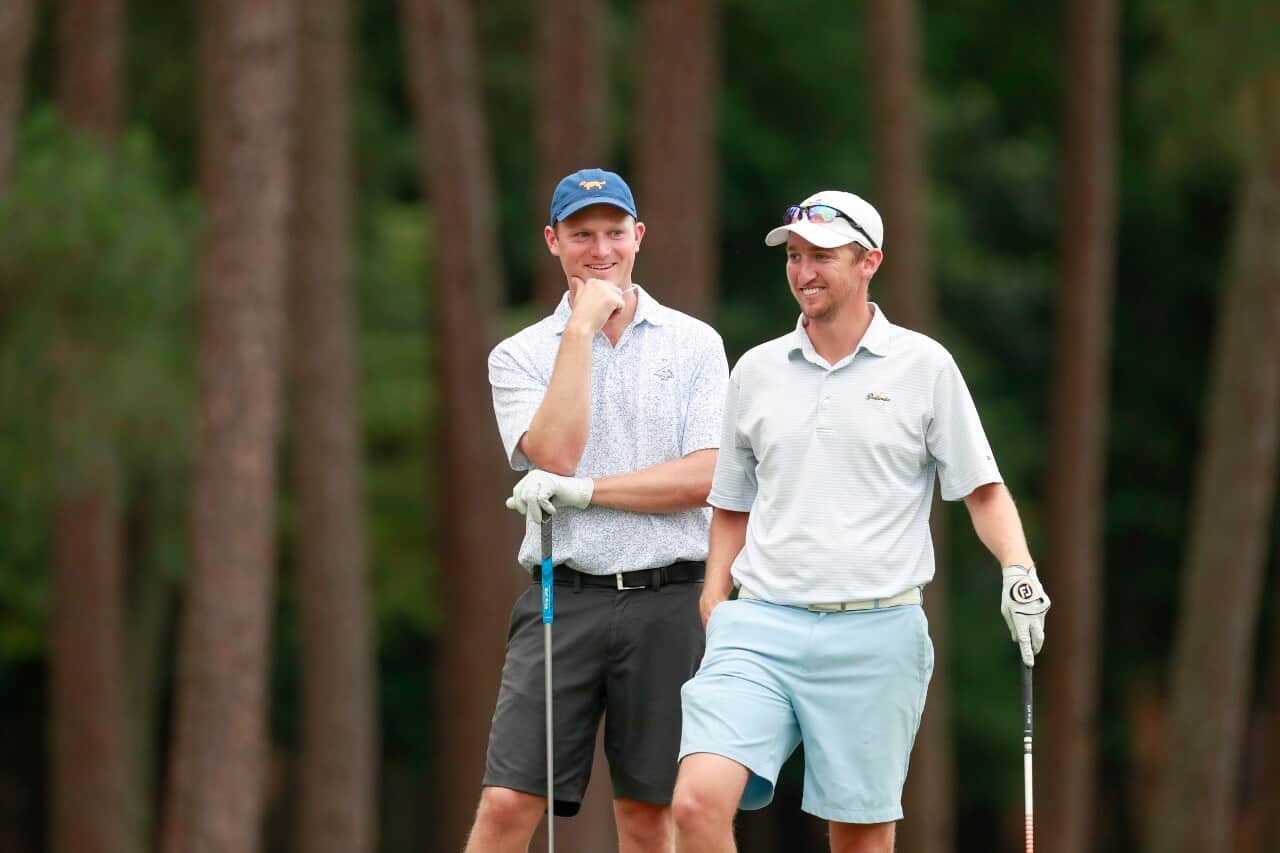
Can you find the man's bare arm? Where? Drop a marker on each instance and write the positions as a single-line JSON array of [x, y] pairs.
[[995, 520], [728, 536], [668, 487]]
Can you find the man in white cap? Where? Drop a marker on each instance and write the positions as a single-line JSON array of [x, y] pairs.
[[833, 436]]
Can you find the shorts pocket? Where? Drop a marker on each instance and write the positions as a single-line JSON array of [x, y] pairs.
[[719, 614]]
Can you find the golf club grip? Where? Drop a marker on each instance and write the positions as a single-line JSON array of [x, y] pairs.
[[1029, 817], [548, 572]]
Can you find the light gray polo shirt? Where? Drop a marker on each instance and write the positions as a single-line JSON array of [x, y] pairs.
[[655, 397], [836, 462]]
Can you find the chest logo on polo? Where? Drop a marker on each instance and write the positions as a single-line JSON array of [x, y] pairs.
[[880, 398]]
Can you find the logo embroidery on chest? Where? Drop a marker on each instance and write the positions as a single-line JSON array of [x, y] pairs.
[[881, 398]]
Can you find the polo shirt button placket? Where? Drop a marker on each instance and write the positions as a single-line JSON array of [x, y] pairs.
[[824, 406]]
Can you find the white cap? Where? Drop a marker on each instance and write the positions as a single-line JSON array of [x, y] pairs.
[[829, 235]]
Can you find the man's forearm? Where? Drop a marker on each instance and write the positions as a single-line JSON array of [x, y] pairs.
[[668, 487], [728, 536], [558, 433], [995, 520]]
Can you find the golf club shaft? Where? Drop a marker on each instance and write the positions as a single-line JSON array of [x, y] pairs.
[[548, 616], [1029, 819]]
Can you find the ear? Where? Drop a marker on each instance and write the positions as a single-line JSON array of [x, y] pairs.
[[639, 234], [871, 261], [553, 243]]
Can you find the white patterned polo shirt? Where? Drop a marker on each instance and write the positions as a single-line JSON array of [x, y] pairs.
[[655, 397], [836, 463]]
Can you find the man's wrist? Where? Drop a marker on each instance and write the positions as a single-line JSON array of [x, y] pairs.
[[717, 581], [578, 330]]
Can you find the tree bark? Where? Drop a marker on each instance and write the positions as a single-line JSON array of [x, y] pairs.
[[572, 134], [89, 743], [151, 608], [17, 19], [905, 278], [909, 299], [218, 756], [337, 766], [1234, 494], [90, 66], [1078, 427], [676, 164], [477, 575], [573, 97], [89, 701]]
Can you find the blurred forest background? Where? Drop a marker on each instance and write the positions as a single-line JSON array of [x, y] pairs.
[[255, 567]]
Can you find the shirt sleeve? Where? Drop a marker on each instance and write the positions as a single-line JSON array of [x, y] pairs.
[[955, 437], [734, 485], [517, 394], [705, 411]]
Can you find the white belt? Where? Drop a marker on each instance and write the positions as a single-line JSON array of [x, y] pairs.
[[910, 596]]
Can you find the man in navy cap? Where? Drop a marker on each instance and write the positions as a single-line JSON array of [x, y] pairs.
[[613, 405]]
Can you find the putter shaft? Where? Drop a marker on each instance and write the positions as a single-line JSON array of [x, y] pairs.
[[1029, 817], [548, 616]]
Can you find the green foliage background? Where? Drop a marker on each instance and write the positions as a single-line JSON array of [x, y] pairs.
[[105, 247]]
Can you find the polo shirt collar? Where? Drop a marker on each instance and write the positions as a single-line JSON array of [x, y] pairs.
[[648, 310], [875, 339]]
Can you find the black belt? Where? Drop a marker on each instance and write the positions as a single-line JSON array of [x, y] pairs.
[[683, 572]]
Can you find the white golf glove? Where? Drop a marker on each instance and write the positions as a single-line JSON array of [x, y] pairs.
[[1023, 603], [540, 492]]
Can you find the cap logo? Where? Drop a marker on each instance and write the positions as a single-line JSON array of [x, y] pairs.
[[591, 185]]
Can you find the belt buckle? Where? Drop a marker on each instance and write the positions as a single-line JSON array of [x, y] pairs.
[[827, 607], [617, 576]]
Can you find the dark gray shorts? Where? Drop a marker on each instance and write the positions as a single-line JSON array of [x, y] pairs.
[[624, 654]]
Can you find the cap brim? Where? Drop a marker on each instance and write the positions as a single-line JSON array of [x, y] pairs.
[[818, 235], [582, 203]]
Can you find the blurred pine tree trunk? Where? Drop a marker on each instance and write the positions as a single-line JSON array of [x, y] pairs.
[[676, 166], [1075, 497], [88, 733], [573, 115], [90, 83], [1234, 494], [572, 134], [218, 754], [89, 778], [478, 574], [17, 20], [1268, 794], [151, 607], [905, 280], [337, 765]]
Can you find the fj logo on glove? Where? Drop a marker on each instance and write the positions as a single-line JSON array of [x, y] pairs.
[[1023, 593]]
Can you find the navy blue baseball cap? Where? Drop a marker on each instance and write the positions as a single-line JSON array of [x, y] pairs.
[[587, 187]]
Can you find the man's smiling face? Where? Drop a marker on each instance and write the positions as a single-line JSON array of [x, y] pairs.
[[600, 241]]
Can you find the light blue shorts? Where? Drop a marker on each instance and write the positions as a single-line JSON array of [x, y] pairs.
[[850, 685]]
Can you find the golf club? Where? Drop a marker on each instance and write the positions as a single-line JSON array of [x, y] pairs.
[[548, 615], [1029, 818]]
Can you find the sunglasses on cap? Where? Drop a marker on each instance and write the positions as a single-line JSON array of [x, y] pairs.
[[823, 214]]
